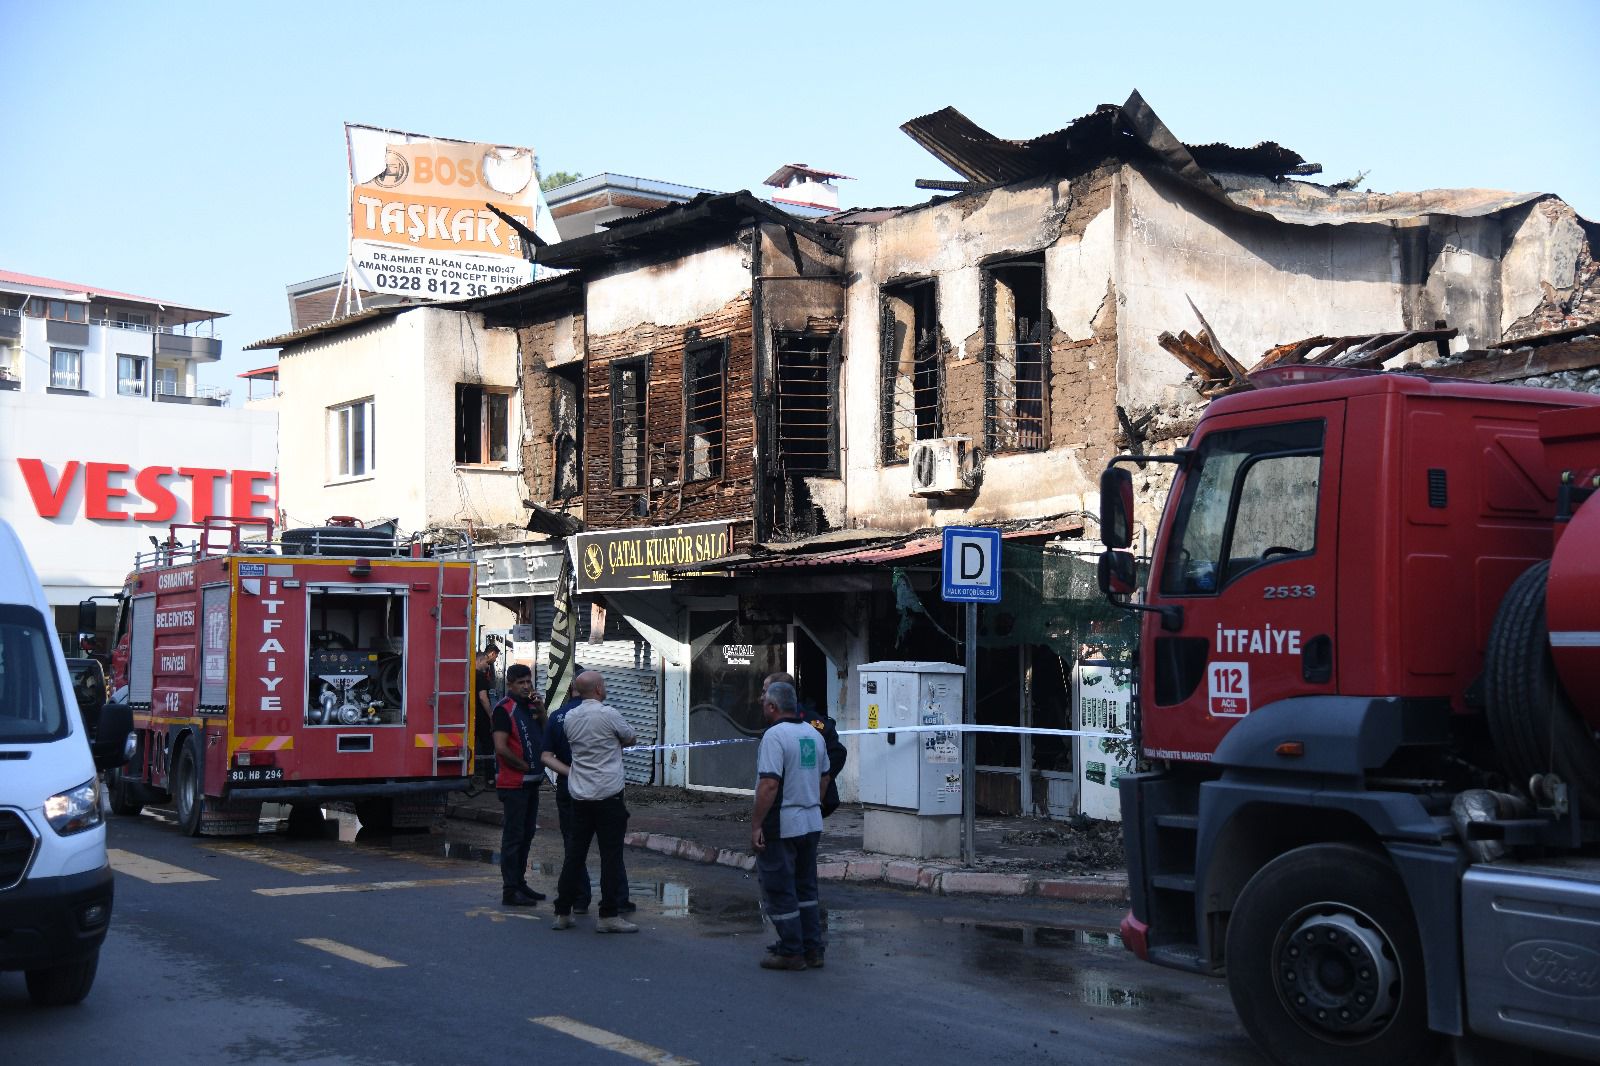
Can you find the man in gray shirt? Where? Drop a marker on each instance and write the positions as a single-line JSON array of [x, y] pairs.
[[597, 734], [785, 827]]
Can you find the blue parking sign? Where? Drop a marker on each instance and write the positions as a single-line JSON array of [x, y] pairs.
[[971, 565]]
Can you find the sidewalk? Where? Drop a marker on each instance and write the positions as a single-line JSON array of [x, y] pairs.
[[1015, 856]]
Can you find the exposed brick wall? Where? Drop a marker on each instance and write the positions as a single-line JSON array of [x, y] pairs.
[[730, 497], [538, 449], [1083, 388]]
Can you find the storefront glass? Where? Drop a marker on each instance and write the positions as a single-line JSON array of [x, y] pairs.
[[729, 660]]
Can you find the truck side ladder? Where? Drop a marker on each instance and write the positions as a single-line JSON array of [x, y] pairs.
[[453, 697]]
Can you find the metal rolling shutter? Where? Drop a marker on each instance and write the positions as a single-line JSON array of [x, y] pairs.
[[633, 687], [141, 650]]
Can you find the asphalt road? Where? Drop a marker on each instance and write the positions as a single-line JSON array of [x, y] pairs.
[[396, 950]]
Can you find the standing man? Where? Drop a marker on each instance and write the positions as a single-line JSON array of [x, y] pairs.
[[596, 735], [824, 724], [785, 826], [518, 723], [484, 710]]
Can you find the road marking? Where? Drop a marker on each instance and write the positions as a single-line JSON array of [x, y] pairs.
[[345, 951], [496, 915], [157, 873], [278, 860], [611, 1041], [374, 886]]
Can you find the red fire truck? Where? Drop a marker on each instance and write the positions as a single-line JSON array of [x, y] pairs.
[[329, 664], [1368, 688]]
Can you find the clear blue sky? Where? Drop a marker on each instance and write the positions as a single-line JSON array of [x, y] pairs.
[[194, 151]]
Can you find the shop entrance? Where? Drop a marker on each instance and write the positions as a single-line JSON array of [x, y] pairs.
[[729, 658]]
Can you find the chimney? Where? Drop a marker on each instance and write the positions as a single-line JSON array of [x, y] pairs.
[[800, 185]]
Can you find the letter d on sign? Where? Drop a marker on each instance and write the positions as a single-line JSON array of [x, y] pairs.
[[972, 561]]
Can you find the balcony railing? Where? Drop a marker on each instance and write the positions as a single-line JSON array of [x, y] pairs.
[[205, 395]]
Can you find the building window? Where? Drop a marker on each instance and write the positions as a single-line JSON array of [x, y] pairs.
[[59, 310], [704, 390], [566, 418], [1016, 373], [483, 425], [628, 388], [808, 402], [66, 369], [912, 376], [130, 319], [131, 371], [352, 437]]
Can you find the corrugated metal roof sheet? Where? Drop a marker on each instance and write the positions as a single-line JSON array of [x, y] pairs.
[[910, 548]]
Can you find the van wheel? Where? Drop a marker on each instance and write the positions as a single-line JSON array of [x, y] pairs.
[[62, 986], [1324, 961], [188, 800], [126, 796]]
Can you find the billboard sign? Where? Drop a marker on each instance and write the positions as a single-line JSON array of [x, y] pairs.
[[419, 224]]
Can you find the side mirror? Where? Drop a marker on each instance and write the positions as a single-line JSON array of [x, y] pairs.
[[1118, 576], [88, 616], [1116, 507], [113, 740]]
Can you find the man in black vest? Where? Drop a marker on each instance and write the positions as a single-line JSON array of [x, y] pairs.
[[518, 723]]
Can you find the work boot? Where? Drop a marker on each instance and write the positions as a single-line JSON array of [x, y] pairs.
[[615, 925], [563, 921], [516, 897], [627, 906], [814, 959], [529, 890], [783, 962]]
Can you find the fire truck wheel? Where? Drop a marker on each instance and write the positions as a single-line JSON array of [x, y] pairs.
[[1324, 961], [62, 986], [376, 815], [305, 820], [1534, 725], [126, 798], [189, 801]]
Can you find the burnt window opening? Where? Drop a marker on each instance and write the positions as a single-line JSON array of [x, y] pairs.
[[629, 466], [1016, 374], [808, 402], [704, 390], [566, 420], [483, 425], [913, 379]]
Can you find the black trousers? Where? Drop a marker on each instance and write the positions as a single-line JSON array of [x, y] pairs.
[[605, 820], [516, 833], [564, 815]]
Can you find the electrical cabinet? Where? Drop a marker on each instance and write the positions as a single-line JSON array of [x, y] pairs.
[[918, 772]]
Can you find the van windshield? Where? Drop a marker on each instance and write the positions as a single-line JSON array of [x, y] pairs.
[[31, 709]]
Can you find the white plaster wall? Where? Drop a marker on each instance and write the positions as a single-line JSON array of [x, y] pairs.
[[77, 556], [939, 240], [456, 348], [383, 361], [671, 294], [409, 365], [1258, 282]]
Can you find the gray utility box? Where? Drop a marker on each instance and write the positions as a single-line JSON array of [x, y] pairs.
[[911, 782]]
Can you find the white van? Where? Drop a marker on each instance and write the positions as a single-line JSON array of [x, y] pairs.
[[55, 882]]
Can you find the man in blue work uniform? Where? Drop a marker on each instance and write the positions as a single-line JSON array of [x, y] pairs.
[[785, 827]]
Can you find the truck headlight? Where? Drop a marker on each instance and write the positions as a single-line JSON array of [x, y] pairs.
[[74, 810]]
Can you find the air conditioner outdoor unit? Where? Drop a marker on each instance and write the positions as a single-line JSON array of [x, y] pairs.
[[943, 465]]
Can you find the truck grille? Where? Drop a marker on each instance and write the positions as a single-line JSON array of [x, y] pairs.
[[16, 848]]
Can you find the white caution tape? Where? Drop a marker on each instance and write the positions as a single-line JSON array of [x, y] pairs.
[[946, 728]]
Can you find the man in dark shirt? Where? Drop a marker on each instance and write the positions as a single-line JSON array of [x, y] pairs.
[[518, 724], [555, 742], [483, 709]]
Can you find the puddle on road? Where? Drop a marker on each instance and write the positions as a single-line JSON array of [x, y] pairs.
[[1060, 956]]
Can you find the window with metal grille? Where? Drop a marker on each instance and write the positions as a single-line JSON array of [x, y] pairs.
[[483, 425], [913, 377], [704, 376], [808, 402], [566, 416], [1016, 357], [629, 378], [66, 369]]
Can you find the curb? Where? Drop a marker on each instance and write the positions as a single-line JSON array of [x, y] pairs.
[[906, 873], [858, 867]]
